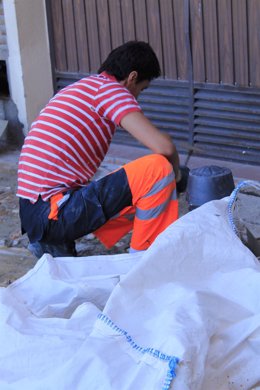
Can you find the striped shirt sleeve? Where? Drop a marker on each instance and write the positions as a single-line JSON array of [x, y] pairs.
[[114, 101]]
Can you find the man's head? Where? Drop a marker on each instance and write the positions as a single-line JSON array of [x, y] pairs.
[[134, 64]]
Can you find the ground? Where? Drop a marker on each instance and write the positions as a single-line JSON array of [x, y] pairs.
[[15, 259]]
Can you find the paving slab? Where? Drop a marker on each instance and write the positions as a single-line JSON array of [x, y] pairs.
[[14, 263]]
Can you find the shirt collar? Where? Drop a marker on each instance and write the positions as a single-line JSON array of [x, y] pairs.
[[108, 76]]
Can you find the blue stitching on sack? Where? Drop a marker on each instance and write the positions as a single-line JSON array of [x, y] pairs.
[[172, 360]]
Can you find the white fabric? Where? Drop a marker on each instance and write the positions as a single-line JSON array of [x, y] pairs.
[[193, 295]]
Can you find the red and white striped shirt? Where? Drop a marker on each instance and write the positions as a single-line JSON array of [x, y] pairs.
[[71, 136]]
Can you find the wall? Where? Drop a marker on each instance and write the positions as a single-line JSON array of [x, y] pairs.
[[28, 61], [222, 37], [209, 51], [3, 43]]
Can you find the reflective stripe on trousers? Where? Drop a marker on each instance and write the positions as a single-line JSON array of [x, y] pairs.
[[155, 204]]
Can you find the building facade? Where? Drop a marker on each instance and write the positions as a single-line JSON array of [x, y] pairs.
[[209, 50]]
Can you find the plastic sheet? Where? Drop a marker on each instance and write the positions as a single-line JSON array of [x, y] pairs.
[[189, 306]]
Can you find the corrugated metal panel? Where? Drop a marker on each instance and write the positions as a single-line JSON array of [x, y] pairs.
[[227, 123], [66, 78], [166, 104]]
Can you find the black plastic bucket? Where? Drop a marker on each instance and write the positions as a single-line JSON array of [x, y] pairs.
[[208, 183]]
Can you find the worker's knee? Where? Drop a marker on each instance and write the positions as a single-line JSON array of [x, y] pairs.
[[152, 165], [161, 162], [144, 173], [157, 167]]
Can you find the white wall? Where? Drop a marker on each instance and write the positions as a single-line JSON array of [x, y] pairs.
[[28, 62], [3, 43]]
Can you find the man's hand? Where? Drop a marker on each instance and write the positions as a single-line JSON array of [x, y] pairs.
[[182, 181]]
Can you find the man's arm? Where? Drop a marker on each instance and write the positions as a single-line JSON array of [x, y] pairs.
[[145, 132]]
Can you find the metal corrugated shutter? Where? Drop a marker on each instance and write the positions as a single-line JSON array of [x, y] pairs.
[[227, 123], [166, 104], [222, 122]]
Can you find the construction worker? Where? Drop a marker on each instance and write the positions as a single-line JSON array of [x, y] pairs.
[[67, 143]]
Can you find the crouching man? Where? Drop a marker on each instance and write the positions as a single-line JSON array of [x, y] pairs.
[[67, 143]]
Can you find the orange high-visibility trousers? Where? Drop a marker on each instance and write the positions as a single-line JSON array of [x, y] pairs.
[[154, 204]]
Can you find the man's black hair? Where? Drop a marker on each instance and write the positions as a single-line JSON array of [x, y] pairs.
[[132, 56]]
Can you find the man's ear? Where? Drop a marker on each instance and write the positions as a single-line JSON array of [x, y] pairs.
[[132, 77]]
